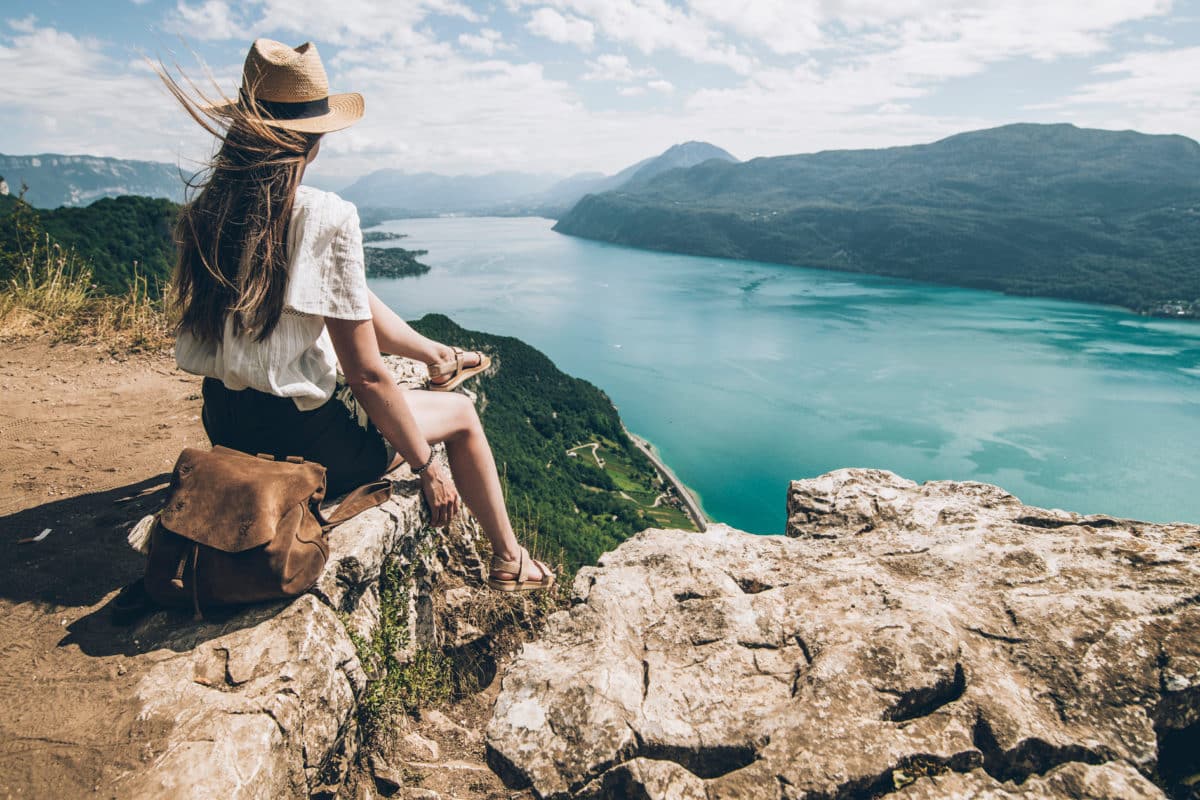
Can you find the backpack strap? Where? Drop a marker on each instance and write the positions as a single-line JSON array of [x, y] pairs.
[[366, 496]]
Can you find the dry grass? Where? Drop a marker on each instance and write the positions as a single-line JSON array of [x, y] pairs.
[[52, 294]]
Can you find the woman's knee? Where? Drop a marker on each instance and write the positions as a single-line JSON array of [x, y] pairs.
[[466, 417], [470, 416]]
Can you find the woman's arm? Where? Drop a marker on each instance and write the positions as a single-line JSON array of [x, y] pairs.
[[376, 391], [397, 337]]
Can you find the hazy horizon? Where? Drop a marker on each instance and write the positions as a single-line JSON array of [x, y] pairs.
[[330, 180]]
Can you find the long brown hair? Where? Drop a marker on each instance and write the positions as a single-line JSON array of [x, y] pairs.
[[232, 233]]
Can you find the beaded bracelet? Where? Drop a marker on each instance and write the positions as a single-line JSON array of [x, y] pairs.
[[425, 466]]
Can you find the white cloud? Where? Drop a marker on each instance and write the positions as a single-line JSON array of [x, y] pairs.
[[1156, 40], [27, 24], [210, 20], [889, 54], [653, 26], [66, 95], [486, 42], [1156, 81], [444, 112], [782, 26], [801, 75], [613, 67], [924, 38], [357, 22], [564, 29]]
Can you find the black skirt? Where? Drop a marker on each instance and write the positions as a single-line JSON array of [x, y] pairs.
[[256, 422]]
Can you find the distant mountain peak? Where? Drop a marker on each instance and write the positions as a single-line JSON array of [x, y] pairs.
[[679, 156], [695, 147]]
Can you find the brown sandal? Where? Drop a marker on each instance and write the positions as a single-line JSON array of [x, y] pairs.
[[545, 581], [456, 372]]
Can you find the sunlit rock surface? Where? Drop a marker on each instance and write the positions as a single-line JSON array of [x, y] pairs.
[[937, 640]]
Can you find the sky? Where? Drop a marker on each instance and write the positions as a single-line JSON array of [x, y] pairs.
[[563, 86]]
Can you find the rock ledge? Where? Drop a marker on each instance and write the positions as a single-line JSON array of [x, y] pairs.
[[264, 703], [940, 640]]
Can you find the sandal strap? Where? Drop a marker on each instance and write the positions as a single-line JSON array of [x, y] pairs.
[[543, 573], [518, 567], [450, 368], [455, 366], [502, 565]]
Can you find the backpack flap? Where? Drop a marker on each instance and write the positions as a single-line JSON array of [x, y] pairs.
[[232, 501]]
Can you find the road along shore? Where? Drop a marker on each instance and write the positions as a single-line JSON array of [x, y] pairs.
[[690, 505]]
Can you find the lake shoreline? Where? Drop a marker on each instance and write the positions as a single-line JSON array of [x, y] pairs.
[[691, 506]]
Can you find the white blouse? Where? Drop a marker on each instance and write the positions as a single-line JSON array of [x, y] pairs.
[[326, 278]]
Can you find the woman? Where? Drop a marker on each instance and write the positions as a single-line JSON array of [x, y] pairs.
[[272, 295]]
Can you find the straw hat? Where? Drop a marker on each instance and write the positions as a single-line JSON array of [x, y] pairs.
[[289, 89]]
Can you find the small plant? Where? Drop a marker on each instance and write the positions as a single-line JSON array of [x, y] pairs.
[[397, 682], [423, 681], [136, 317]]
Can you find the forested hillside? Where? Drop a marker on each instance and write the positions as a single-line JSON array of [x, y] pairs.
[[1054, 210], [112, 235], [119, 236]]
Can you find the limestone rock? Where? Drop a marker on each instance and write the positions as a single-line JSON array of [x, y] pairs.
[[358, 548], [941, 640], [417, 793], [257, 708], [448, 728], [416, 747], [386, 776], [1112, 781], [263, 703]]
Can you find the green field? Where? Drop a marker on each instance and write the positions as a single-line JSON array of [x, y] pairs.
[[632, 482]]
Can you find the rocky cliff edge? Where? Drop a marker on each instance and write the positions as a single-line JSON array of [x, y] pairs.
[[918, 641]]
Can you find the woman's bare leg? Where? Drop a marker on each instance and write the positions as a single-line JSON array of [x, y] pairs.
[[397, 337], [451, 418]]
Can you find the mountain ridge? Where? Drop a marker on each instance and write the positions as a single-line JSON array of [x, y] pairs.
[[57, 179], [1049, 210], [510, 193]]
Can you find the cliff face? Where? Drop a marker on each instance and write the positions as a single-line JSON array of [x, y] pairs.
[[927, 641]]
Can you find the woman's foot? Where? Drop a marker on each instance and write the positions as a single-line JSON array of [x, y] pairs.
[[457, 366], [522, 574]]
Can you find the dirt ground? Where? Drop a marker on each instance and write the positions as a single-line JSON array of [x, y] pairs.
[[88, 442]]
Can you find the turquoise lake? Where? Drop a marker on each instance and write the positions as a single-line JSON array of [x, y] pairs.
[[748, 375]]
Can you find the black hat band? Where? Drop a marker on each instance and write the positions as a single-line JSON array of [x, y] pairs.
[[275, 109]]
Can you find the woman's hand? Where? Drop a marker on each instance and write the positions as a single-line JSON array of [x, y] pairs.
[[440, 494]]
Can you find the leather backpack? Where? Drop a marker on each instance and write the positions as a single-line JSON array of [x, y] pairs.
[[237, 528]]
